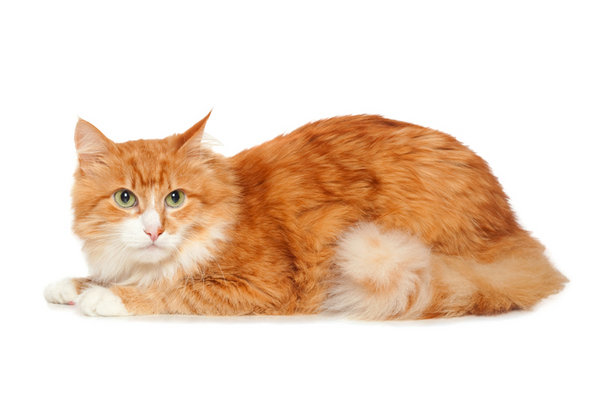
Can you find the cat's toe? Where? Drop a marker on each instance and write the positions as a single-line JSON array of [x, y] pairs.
[[61, 292], [98, 301]]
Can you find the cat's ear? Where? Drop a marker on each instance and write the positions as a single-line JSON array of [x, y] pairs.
[[91, 144], [193, 138]]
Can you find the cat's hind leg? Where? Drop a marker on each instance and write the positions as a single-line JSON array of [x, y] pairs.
[[388, 275], [379, 275]]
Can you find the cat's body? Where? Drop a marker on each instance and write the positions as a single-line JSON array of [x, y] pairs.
[[360, 215]]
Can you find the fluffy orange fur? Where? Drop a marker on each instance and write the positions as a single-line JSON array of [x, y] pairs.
[[359, 215]]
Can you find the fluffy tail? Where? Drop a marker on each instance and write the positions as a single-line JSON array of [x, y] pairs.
[[390, 275], [518, 278]]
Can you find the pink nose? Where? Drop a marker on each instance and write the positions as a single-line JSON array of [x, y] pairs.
[[154, 233]]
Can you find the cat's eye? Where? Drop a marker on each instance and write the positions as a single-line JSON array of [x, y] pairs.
[[125, 198], [175, 199]]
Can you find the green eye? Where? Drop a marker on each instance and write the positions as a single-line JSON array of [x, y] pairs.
[[175, 199], [125, 198]]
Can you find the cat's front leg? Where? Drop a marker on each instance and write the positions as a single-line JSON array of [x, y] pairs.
[[99, 301], [93, 300], [206, 295], [222, 295], [65, 291]]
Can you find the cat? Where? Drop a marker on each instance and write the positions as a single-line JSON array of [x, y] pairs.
[[359, 216]]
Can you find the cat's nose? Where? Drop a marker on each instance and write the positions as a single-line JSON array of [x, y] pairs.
[[154, 233]]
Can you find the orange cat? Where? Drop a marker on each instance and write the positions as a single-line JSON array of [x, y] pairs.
[[360, 215]]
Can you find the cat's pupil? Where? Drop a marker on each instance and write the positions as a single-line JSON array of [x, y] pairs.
[[175, 197], [125, 197]]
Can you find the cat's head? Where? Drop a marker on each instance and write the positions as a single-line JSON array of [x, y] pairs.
[[147, 208]]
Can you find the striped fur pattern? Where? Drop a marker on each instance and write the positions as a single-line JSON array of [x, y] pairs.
[[360, 215]]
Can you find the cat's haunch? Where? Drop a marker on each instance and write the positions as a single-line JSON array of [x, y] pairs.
[[359, 215]]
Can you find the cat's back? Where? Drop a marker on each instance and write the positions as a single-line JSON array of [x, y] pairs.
[[371, 168], [358, 143], [328, 137], [338, 156]]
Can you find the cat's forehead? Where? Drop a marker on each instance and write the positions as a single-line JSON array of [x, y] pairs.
[[148, 164]]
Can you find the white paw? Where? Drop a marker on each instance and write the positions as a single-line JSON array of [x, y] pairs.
[[98, 301], [61, 292]]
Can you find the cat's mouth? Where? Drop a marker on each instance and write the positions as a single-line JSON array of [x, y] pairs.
[[153, 253]]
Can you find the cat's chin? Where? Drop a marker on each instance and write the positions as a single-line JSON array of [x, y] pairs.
[[152, 254]]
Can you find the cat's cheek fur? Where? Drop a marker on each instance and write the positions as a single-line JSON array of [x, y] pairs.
[[98, 301], [195, 252], [61, 292]]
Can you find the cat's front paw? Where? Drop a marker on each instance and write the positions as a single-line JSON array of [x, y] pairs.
[[61, 292], [98, 301]]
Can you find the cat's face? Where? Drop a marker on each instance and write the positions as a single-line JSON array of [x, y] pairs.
[[148, 207]]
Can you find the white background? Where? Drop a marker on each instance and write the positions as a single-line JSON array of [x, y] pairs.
[[516, 81]]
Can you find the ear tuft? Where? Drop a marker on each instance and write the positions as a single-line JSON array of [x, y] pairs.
[[90, 143], [195, 139]]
